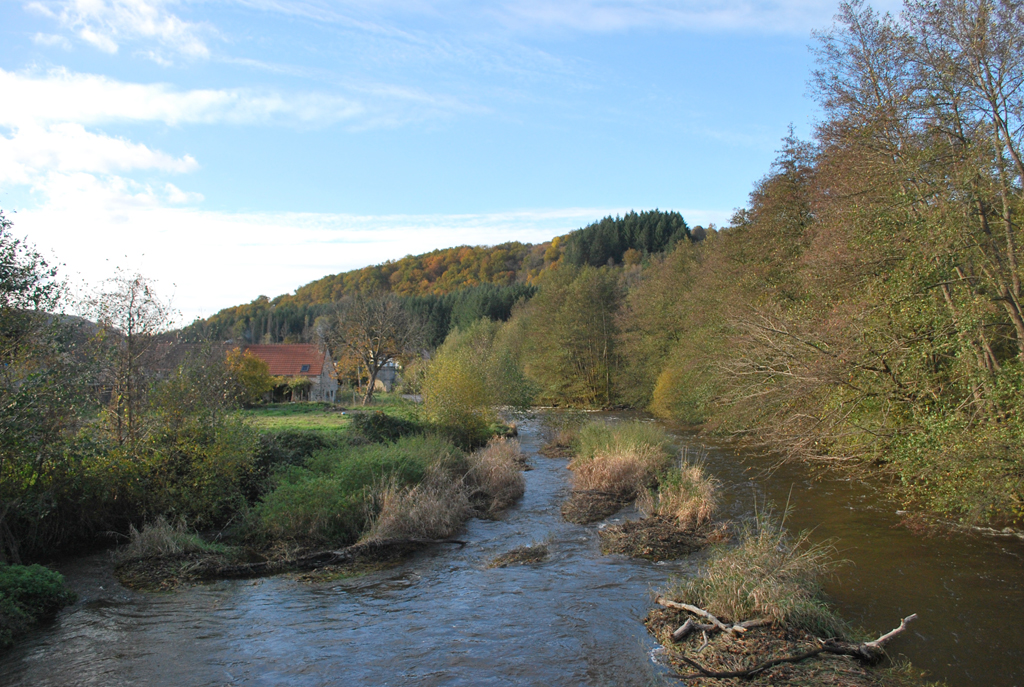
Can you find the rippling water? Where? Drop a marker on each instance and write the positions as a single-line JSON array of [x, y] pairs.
[[444, 618]]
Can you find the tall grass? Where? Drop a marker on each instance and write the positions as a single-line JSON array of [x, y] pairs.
[[497, 471], [609, 438], [686, 494], [770, 574], [624, 473], [621, 459], [331, 498], [161, 538], [433, 509]]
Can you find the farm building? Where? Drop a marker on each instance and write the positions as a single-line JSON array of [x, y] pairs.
[[301, 360]]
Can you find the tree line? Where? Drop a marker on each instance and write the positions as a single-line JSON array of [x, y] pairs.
[[864, 308]]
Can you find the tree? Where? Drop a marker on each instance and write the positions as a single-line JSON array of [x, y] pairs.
[[39, 392], [251, 374], [129, 314], [374, 329]]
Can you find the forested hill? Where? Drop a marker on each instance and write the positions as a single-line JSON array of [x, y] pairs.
[[451, 285]]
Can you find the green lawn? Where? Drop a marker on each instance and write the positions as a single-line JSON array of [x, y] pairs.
[[322, 417]]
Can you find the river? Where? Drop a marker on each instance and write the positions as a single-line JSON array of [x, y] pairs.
[[445, 618]]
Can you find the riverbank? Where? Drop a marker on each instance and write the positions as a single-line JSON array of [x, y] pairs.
[[573, 617]]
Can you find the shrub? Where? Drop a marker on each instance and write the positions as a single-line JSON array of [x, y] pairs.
[[317, 509], [380, 427], [29, 594], [769, 574], [330, 499], [496, 472]]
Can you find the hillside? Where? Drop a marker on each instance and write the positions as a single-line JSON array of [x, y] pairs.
[[452, 285]]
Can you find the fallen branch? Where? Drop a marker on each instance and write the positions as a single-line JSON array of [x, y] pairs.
[[716, 625], [868, 652]]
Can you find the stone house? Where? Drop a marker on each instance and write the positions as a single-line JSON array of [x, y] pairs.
[[301, 360]]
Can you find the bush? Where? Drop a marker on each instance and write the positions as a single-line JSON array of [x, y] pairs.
[[768, 575], [380, 427], [330, 499], [29, 594], [316, 509]]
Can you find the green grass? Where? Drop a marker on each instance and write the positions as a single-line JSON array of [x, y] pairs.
[[321, 417], [606, 437], [330, 497]]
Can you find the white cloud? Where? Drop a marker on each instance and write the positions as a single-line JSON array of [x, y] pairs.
[[106, 24], [63, 96], [212, 260], [32, 150]]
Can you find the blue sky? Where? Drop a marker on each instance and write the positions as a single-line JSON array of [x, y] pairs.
[[232, 148]]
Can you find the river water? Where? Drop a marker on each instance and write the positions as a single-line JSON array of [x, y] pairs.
[[444, 618]]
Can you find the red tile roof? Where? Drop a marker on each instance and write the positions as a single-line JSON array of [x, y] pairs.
[[286, 360]]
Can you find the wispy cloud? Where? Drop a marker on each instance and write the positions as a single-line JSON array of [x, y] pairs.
[[579, 15], [61, 96], [107, 24]]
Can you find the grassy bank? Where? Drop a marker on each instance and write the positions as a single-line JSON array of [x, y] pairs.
[[327, 481]]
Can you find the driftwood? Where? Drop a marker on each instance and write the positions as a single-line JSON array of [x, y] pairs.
[[867, 652], [716, 625], [319, 559]]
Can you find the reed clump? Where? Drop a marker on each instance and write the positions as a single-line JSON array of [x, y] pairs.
[[161, 539], [495, 475], [686, 494], [489, 481], [432, 509], [769, 574]]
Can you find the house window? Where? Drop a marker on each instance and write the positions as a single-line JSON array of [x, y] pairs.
[[305, 368]]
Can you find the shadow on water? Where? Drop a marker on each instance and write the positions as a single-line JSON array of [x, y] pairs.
[[444, 618]]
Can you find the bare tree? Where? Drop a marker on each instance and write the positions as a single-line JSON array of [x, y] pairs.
[[374, 329], [129, 314]]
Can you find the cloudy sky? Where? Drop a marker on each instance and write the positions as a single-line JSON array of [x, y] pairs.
[[232, 148]]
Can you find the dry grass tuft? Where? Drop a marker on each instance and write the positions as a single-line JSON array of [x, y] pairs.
[[769, 574], [496, 472], [623, 473], [433, 509], [161, 539], [687, 495]]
